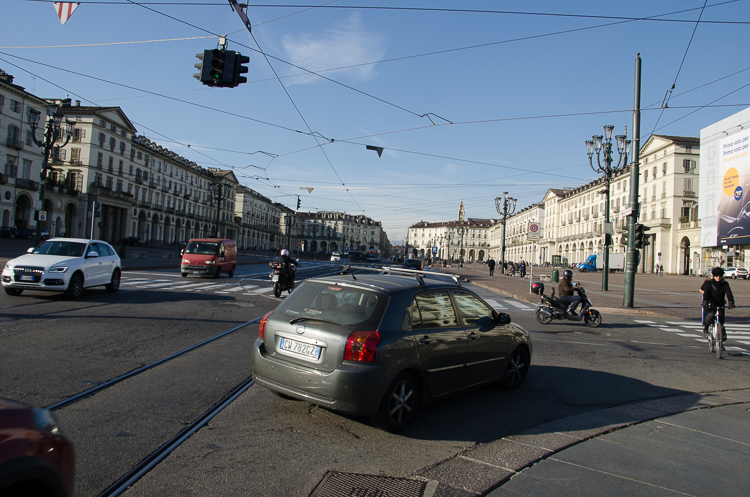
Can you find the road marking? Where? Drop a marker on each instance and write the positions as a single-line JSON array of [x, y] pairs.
[[518, 304], [208, 287], [691, 335], [744, 342], [642, 321], [263, 290], [672, 330], [231, 290]]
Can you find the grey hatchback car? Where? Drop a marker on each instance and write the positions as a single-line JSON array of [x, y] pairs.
[[380, 345]]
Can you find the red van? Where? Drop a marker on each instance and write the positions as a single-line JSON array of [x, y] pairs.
[[209, 256]]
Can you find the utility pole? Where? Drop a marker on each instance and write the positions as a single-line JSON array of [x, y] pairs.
[[631, 257]]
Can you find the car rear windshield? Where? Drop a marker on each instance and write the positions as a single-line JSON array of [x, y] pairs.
[[340, 304], [203, 248], [70, 249]]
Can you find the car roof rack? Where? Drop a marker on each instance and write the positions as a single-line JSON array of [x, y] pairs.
[[419, 275]]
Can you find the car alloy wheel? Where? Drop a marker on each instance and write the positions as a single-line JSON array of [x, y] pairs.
[[115, 282], [399, 405], [515, 372], [75, 287]]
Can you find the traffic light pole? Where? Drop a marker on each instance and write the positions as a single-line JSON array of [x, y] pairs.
[[631, 259]]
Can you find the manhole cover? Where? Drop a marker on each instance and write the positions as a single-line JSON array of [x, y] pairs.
[[335, 484]]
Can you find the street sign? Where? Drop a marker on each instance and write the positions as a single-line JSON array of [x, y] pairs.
[[608, 228], [434, 250], [41, 215], [534, 233]]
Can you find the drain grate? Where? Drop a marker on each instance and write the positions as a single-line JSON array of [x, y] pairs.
[[336, 484]]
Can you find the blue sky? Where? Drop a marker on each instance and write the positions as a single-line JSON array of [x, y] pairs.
[[469, 101]]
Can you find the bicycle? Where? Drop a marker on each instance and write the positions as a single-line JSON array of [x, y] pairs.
[[715, 343]]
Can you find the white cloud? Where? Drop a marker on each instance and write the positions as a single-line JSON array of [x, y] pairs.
[[341, 45]]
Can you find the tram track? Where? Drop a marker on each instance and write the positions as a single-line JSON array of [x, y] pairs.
[[103, 386]]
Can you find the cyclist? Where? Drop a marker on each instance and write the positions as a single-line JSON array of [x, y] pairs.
[[565, 291], [715, 290]]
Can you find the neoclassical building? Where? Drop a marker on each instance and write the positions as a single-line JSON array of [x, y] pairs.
[[340, 232]]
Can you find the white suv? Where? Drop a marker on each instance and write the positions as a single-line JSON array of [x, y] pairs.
[[64, 265], [335, 257]]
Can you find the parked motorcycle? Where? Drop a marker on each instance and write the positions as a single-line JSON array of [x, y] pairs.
[[551, 307], [280, 280]]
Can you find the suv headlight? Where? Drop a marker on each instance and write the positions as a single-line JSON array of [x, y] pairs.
[[58, 269]]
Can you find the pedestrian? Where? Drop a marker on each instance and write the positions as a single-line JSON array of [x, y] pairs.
[[522, 269], [491, 265], [656, 270], [661, 270]]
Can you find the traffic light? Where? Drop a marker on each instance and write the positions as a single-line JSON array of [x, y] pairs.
[[298, 203], [239, 69], [640, 240], [202, 66], [216, 66]]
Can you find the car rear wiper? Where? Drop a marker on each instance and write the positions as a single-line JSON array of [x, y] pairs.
[[302, 318]]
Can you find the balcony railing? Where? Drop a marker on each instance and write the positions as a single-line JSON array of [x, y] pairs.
[[27, 184], [15, 142], [688, 193]]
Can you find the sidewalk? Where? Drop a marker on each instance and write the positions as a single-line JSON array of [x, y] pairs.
[[666, 296]]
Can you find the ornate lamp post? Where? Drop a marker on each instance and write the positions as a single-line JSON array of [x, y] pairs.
[[508, 208], [52, 133], [608, 170]]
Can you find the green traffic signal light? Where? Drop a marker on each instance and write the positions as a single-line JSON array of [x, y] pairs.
[[217, 66]]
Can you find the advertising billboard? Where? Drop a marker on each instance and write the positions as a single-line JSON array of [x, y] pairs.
[[724, 205]]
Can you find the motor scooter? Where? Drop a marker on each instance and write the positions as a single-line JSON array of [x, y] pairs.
[[552, 307], [280, 279]]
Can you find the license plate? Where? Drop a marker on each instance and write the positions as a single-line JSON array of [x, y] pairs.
[[304, 349], [196, 272], [26, 277], [275, 278]]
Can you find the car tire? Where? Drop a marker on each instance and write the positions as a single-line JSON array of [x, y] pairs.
[[13, 291], [217, 273], [231, 273], [399, 404], [184, 275], [114, 284], [516, 370], [75, 287]]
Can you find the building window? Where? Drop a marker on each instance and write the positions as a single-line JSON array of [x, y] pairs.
[[26, 169], [15, 106]]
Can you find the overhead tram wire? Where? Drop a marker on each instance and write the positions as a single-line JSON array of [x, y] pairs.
[[415, 9], [266, 56], [684, 56]]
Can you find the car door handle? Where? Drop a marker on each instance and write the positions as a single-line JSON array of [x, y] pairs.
[[473, 336], [426, 340]]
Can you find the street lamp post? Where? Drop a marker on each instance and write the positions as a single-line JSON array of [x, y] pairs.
[[608, 170], [508, 208], [52, 133], [220, 192]]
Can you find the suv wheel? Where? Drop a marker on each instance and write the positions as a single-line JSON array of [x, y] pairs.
[[115, 282], [13, 291], [399, 405], [75, 287]]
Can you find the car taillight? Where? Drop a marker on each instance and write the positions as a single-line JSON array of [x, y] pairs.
[[361, 346], [262, 327]]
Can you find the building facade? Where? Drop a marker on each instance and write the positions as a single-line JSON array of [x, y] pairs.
[[340, 232]]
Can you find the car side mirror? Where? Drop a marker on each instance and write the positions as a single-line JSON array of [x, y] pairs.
[[503, 318], [182, 252], [92, 254], [30, 250]]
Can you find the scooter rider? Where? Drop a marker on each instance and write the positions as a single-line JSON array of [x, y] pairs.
[[286, 263], [715, 291], [566, 293]]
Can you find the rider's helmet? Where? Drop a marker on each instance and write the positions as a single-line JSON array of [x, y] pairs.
[[284, 252], [568, 274], [717, 271]]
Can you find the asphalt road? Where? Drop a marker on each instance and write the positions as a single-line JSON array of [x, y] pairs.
[[263, 445]]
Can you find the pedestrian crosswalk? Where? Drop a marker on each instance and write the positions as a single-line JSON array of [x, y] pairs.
[[510, 304], [258, 287], [238, 287], [736, 333]]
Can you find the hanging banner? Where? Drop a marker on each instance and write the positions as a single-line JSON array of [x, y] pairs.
[[65, 10]]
